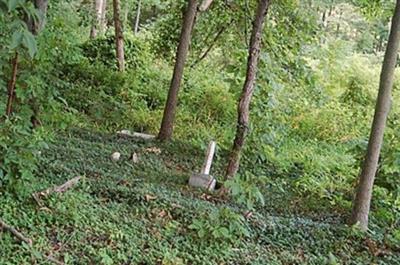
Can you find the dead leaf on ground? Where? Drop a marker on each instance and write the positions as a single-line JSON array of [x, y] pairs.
[[374, 249], [149, 197], [154, 150]]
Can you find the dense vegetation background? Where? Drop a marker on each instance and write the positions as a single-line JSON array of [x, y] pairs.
[[310, 119]]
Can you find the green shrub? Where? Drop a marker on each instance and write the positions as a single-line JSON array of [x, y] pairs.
[[221, 225], [102, 50], [19, 149]]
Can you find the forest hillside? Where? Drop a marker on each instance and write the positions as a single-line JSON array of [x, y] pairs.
[[199, 132]]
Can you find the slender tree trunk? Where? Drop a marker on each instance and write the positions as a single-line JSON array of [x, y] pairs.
[[103, 18], [183, 47], [11, 84], [98, 7], [119, 37], [36, 25], [362, 200], [137, 21], [247, 92]]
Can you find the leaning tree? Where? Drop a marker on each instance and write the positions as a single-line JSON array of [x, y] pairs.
[[362, 201]]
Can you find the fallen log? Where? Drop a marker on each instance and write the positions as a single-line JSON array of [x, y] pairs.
[[143, 136], [58, 189]]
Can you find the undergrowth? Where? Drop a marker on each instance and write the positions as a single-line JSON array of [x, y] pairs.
[[144, 213]]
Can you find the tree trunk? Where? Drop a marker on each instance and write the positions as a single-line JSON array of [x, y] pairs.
[[362, 200], [248, 87], [183, 47], [103, 18], [119, 38], [11, 84], [137, 21], [98, 8], [36, 25]]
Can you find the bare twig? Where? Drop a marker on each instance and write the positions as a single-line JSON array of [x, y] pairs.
[[11, 84], [214, 41], [58, 189], [14, 231], [28, 241]]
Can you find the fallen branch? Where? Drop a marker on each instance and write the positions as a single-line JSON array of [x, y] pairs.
[[62, 188], [14, 231], [22, 238], [58, 189], [144, 136], [50, 258]]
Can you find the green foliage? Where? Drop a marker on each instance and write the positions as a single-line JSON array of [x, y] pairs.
[[107, 218], [14, 11], [220, 225], [102, 49], [246, 189], [310, 118], [19, 149]]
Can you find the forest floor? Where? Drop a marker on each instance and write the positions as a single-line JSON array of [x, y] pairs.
[[140, 213]]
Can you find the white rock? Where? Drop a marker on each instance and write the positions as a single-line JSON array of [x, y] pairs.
[[125, 132], [135, 158], [115, 156]]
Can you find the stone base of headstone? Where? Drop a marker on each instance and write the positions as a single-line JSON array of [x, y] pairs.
[[204, 181]]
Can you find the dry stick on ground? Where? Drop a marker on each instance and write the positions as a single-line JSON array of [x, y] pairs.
[[14, 231], [62, 188], [23, 238]]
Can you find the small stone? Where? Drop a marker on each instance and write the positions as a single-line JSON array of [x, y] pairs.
[[115, 156], [125, 132], [135, 158]]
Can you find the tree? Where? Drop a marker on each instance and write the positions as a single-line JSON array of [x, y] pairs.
[[362, 201], [99, 18], [248, 88], [137, 20], [181, 54], [167, 123], [119, 37]]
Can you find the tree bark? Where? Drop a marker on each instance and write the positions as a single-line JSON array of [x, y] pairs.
[[103, 18], [98, 8], [11, 84], [248, 88], [362, 201], [137, 21], [181, 54], [36, 25], [119, 37]]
